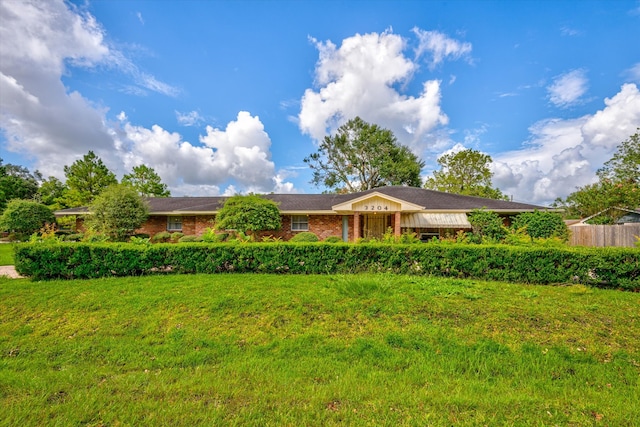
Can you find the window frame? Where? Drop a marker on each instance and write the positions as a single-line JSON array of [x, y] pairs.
[[301, 221], [174, 223]]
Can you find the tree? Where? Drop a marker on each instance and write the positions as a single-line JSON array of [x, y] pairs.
[[618, 186], [248, 213], [51, 193], [542, 225], [362, 156], [25, 216], [466, 172], [147, 182], [624, 166], [86, 179], [117, 212], [16, 182]]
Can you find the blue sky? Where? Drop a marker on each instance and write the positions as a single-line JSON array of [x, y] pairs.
[[221, 97]]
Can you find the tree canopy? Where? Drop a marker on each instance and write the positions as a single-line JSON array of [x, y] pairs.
[[86, 179], [146, 181], [618, 186], [248, 213], [117, 212], [466, 172], [362, 156], [16, 182]]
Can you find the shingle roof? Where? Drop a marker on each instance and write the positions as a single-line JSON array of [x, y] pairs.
[[431, 200]]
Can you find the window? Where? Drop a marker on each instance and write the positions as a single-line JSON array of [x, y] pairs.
[[299, 223], [174, 223]]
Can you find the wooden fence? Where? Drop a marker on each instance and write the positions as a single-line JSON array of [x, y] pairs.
[[604, 235]]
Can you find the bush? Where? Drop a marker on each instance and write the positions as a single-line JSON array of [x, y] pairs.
[[190, 239], [161, 237], [25, 217], [333, 239], [487, 226], [305, 236], [612, 267], [117, 212], [175, 237], [542, 225]]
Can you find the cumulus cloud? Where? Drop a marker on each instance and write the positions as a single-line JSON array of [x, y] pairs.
[[439, 47], [41, 119], [564, 154], [567, 89], [239, 153], [358, 79], [38, 115]]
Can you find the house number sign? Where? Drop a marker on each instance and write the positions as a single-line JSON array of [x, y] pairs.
[[376, 204], [375, 208]]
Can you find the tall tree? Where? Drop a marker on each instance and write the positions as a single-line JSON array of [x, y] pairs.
[[16, 182], [146, 182], [466, 172], [51, 193], [86, 179], [618, 187], [362, 156], [624, 166]]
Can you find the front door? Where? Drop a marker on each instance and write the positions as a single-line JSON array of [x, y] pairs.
[[374, 226]]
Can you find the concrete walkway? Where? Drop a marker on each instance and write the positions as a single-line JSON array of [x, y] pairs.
[[9, 271]]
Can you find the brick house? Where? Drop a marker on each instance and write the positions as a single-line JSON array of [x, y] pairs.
[[368, 213]]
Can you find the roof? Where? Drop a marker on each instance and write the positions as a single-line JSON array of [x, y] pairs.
[[428, 200]]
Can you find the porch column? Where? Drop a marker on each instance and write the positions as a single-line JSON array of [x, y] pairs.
[[356, 226], [396, 225]]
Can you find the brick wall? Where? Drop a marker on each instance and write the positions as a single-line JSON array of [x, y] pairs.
[[321, 225]]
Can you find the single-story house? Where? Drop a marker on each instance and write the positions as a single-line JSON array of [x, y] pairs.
[[368, 213]]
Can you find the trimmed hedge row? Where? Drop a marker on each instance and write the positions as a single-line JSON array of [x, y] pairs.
[[616, 267]]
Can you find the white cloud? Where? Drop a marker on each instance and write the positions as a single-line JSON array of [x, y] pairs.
[[192, 118], [567, 89], [358, 78], [240, 153], [440, 47], [563, 154], [41, 119], [633, 73]]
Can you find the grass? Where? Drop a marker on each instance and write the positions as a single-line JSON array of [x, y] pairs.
[[262, 350], [6, 254]]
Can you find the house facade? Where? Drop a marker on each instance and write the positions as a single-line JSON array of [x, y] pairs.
[[367, 214]]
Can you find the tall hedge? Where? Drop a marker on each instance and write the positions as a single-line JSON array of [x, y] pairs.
[[615, 267]]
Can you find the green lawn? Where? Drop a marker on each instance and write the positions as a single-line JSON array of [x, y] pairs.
[[6, 254], [260, 350]]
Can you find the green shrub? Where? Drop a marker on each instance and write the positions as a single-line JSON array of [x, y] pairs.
[[74, 237], [487, 226], [190, 239], [612, 267], [25, 217], [333, 239], [542, 225], [175, 237], [161, 237], [305, 236], [210, 236]]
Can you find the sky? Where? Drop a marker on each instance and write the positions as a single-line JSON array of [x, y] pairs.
[[227, 97]]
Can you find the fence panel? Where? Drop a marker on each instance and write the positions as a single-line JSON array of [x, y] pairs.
[[604, 235]]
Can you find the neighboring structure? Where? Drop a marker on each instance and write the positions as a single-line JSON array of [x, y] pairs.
[[369, 213], [625, 232]]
